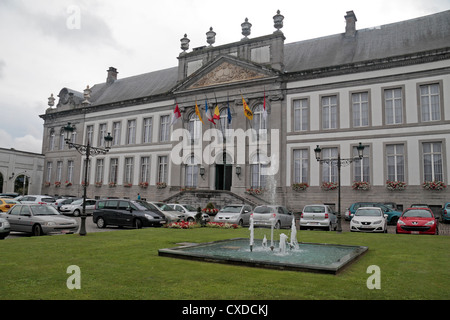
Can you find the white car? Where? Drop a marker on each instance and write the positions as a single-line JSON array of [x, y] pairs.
[[318, 216], [76, 207], [189, 211], [171, 214], [37, 199], [234, 214], [264, 216], [369, 219]]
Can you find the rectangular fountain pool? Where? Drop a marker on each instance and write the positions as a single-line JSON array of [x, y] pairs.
[[311, 257]]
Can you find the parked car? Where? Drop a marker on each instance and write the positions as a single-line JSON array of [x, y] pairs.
[[171, 214], [234, 214], [127, 213], [6, 204], [318, 216], [9, 195], [188, 211], [63, 201], [37, 199], [263, 215], [392, 214], [76, 207], [418, 221], [4, 228], [445, 216], [39, 219], [369, 219]]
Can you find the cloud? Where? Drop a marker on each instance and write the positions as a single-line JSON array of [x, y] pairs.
[[26, 143], [2, 67]]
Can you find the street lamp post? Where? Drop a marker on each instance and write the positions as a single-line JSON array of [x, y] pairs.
[[89, 151], [339, 162]]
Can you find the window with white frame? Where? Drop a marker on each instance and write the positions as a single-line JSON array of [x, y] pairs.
[[59, 167], [329, 171], [147, 130], [430, 108], [329, 112], [145, 170], [225, 127], [128, 178], [49, 171], [258, 165], [116, 133], [88, 171], [191, 172], [99, 171], [259, 123], [195, 128], [301, 165], [432, 161], [131, 131], [301, 114], [395, 158], [164, 129], [361, 167], [62, 142], [393, 105], [89, 134], [162, 169], [70, 167], [360, 109], [101, 135], [51, 142], [113, 170]]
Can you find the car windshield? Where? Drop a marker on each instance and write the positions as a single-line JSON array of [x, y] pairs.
[[418, 213], [189, 207], [163, 206], [264, 209], [314, 209], [44, 211], [77, 202], [142, 205], [231, 209], [368, 213]]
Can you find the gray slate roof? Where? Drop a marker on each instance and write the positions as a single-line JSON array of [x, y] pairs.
[[406, 37]]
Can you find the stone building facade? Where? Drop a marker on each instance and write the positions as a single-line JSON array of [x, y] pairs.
[[387, 87]]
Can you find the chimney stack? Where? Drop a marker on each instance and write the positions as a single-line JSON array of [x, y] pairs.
[[350, 27], [112, 75]]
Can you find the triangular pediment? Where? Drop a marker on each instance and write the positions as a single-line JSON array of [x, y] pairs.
[[226, 70]]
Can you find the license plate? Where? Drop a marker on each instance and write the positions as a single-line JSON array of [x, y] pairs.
[[314, 223], [415, 232]]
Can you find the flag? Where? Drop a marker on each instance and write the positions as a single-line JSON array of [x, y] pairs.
[[176, 115], [265, 111], [229, 112], [217, 113], [208, 113], [197, 112], [247, 112]]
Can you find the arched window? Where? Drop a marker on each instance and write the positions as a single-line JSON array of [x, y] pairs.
[[225, 127], [195, 128], [191, 172], [259, 123], [259, 164]]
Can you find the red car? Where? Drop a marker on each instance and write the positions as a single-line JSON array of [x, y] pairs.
[[418, 221]]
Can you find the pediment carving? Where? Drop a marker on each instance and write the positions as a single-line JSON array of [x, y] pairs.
[[226, 73]]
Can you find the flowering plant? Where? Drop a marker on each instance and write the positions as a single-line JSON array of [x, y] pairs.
[[222, 225], [143, 184], [326, 186], [361, 185], [112, 184], [161, 185], [434, 185], [210, 210], [182, 225], [57, 184], [255, 191], [395, 185], [98, 183], [127, 185], [300, 186], [67, 183], [47, 184], [84, 183]]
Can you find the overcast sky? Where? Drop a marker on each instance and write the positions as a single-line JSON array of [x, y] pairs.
[[50, 44]]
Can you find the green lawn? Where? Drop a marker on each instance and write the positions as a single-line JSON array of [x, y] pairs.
[[125, 265]]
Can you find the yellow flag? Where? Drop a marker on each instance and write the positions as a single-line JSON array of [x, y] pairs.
[[197, 112], [247, 112], [217, 113]]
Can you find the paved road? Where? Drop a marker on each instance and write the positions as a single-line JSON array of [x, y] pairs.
[[444, 228]]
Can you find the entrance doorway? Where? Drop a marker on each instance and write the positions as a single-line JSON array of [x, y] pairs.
[[224, 171]]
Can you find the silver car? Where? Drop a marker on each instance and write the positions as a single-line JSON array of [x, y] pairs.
[[234, 214], [39, 219], [4, 228], [171, 214], [76, 207], [280, 216], [318, 216], [189, 212]]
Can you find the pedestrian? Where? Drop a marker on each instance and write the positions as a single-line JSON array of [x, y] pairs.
[[139, 196]]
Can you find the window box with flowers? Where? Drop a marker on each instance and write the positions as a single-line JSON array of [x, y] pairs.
[[57, 184], [161, 185], [300, 186], [327, 186], [84, 183], [143, 184], [67, 183], [254, 191], [361, 185], [434, 185], [128, 185], [47, 184], [395, 185], [98, 184], [112, 184], [209, 209]]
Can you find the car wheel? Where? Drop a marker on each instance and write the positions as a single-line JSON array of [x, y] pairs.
[[278, 225], [190, 219], [241, 223], [37, 230], [101, 223], [76, 213], [137, 223]]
